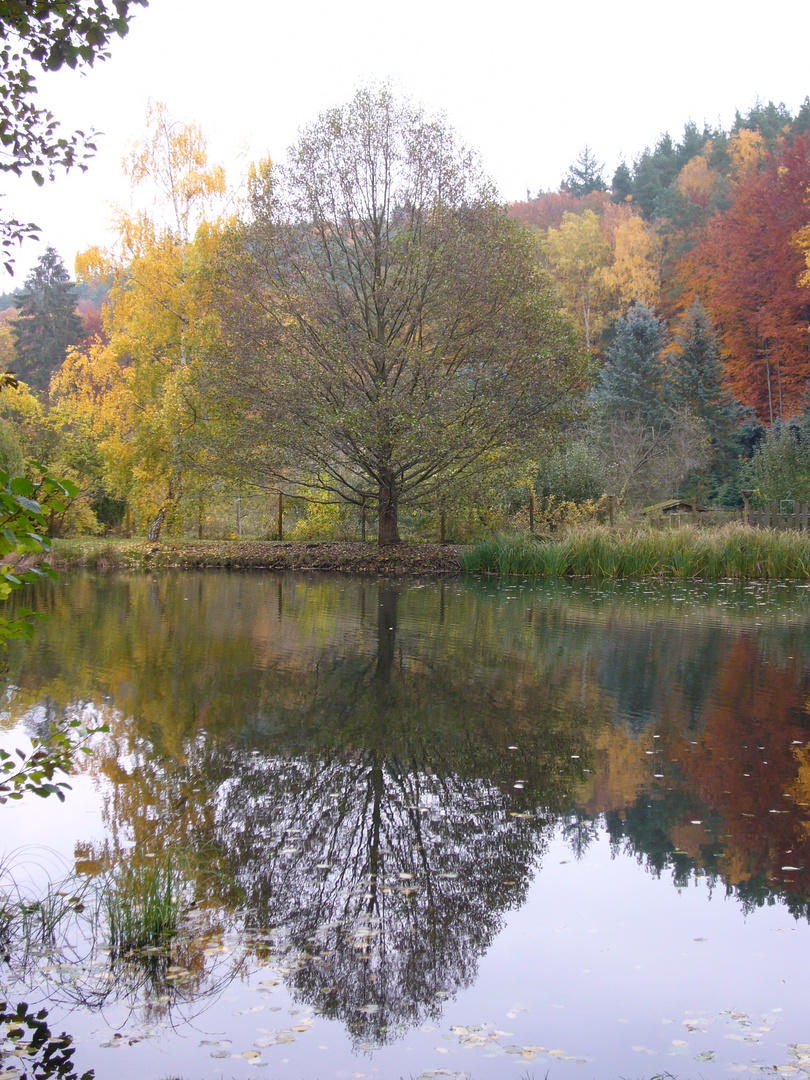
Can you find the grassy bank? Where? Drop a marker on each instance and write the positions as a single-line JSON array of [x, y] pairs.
[[432, 560], [731, 552]]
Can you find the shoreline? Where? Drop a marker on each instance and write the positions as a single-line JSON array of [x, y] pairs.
[[351, 557]]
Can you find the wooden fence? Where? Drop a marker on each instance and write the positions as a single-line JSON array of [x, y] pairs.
[[777, 516]]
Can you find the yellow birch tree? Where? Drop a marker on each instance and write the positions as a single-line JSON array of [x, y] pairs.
[[139, 385], [578, 256]]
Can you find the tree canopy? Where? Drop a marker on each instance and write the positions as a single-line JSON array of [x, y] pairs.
[[388, 325]]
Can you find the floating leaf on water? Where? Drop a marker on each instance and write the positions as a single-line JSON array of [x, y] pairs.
[[679, 1042], [283, 1038], [707, 1055]]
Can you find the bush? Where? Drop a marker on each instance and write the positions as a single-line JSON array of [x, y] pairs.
[[572, 474]]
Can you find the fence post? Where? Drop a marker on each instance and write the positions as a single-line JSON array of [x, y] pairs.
[[746, 494], [280, 516]]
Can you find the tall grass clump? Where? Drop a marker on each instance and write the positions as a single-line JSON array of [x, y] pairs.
[[732, 551], [142, 905]]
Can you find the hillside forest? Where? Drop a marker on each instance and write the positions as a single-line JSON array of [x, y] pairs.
[[368, 332]]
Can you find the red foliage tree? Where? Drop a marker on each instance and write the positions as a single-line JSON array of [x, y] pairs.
[[747, 270]]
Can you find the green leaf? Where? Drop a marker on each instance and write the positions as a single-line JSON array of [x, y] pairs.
[[20, 485], [29, 504]]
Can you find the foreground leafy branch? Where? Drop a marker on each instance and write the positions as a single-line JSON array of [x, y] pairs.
[[25, 508], [35, 771]]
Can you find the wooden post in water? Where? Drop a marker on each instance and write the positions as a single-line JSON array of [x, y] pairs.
[[531, 511], [280, 516]]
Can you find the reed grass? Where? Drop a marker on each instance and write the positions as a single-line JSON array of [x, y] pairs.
[[142, 905], [729, 552]]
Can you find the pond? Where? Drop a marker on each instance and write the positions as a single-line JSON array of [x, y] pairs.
[[464, 829]]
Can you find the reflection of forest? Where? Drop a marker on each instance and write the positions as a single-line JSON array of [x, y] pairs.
[[373, 769]]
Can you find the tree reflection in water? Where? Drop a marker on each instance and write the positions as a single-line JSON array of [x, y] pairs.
[[384, 858]]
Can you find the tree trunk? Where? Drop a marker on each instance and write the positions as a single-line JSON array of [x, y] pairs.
[[388, 510], [156, 526]]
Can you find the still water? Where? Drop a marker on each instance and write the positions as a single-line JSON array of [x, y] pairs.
[[463, 829]]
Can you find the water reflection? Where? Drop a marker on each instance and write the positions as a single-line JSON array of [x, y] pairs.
[[364, 777]]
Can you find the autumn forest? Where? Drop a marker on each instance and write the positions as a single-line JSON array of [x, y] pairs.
[[645, 333]]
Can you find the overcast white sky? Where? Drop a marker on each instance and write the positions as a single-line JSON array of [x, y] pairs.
[[527, 84]]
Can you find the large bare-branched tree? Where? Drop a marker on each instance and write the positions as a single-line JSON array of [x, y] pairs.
[[387, 325]]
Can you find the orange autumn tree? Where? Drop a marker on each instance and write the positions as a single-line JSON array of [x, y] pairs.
[[748, 271]]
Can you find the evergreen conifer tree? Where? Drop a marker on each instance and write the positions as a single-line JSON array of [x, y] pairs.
[[698, 383], [584, 176], [47, 323], [633, 381]]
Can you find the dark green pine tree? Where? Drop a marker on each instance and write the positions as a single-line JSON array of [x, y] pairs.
[[696, 376], [584, 176], [622, 186], [47, 323], [633, 381]]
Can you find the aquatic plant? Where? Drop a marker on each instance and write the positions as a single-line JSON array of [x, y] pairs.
[[142, 905]]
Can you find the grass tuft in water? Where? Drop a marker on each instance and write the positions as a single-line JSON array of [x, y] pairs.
[[733, 551], [142, 905]]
